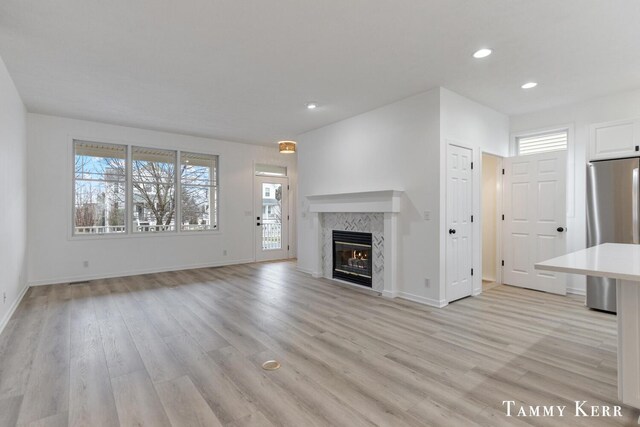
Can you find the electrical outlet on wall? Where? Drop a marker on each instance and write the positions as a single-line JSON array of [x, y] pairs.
[[427, 215], [427, 282], [224, 252], [85, 264], [4, 297]]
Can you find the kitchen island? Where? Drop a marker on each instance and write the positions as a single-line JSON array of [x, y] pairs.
[[621, 262]]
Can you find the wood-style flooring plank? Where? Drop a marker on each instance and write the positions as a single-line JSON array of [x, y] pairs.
[[186, 348], [184, 404], [9, 410], [91, 399], [120, 351], [156, 356], [223, 395], [137, 402], [47, 391], [275, 402]]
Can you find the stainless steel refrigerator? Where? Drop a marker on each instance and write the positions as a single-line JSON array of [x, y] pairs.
[[612, 217]]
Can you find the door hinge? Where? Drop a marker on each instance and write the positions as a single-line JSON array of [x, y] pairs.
[[287, 186], [502, 171], [471, 165], [503, 263], [287, 247], [287, 217], [472, 271], [471, 218]]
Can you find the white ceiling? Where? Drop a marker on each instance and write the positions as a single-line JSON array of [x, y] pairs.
[[242, 70]]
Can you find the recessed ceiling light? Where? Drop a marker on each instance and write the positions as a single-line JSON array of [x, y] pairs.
[[529, 85], [482, 53], [312, 106]]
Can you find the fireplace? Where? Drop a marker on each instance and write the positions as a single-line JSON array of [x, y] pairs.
[[352, 257]]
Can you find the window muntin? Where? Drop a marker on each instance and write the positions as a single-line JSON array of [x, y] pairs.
[[199, 191], [153, 179], [543, 142], [99, 188]]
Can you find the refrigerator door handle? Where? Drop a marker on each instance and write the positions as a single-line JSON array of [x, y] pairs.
[[634, 206]]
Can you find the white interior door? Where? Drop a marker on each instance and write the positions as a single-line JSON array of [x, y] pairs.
[[534, 219], [459, 205], [272, 218]]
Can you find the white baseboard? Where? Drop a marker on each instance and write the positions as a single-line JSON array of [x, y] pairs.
[[310, 272], [135, 272], [390, 294], [12, 309], [423, 300], [576, 291]]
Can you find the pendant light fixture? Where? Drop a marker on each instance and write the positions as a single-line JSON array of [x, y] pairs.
[[287, 147]]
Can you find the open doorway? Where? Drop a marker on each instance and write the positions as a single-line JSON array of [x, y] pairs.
[[491, 212]]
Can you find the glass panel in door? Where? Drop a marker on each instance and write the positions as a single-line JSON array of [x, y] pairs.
[[271, 216]]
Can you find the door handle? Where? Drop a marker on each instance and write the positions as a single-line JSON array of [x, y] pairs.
[[258, 224], [452, 231], [560, 229]]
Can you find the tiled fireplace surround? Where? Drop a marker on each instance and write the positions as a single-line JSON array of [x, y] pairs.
[[372, 212]]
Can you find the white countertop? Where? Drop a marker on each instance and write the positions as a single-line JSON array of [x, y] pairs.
[[614, 260]]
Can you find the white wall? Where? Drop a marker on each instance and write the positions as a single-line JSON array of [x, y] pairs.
[[395, 147], [401, 146], [467, 123], [55, 257], [13, 197], [579, 116]]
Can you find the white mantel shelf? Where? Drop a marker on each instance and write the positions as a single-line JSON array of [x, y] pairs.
[[386, 201]]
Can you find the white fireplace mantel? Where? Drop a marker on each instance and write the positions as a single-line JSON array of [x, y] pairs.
[[385, 201]]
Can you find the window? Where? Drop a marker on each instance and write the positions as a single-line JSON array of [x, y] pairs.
[[153, 175], [541, 143], [99, 190], [199, 191], [267, 192], [122, 189], [270, 170]]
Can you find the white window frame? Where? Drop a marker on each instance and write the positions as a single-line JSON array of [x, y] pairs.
[[175, 194], [515, 136], [129, 234], [73, 190], [212, 198]]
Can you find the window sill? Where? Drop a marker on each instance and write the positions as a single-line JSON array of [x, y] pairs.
[[118, 236]]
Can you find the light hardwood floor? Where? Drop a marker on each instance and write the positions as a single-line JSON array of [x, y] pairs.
[[185, 348]]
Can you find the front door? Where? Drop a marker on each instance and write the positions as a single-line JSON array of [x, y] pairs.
[[272, 218], [459, 205], [534, 219]]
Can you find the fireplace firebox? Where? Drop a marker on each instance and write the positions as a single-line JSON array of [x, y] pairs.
[[352, 257]]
